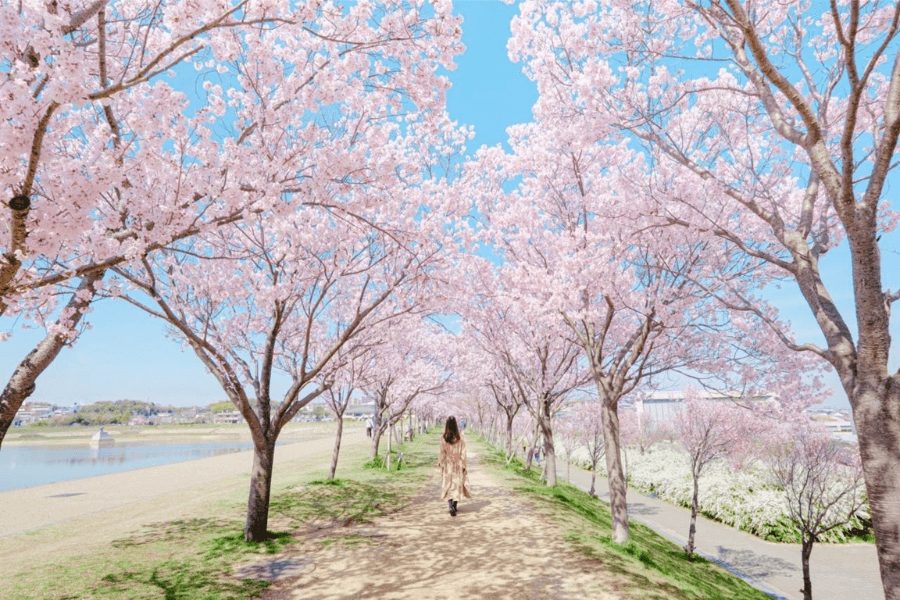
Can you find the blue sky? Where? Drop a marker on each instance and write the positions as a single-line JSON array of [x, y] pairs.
[[126, 354]]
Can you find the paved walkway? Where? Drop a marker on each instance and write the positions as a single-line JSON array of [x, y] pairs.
[[838, 571]]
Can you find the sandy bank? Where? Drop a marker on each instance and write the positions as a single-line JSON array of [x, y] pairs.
[[71, 517]]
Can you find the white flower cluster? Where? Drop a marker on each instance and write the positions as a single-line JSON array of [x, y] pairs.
[[741, 498]]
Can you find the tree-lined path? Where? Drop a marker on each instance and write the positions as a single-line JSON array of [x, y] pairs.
[[293, 192], [498, 546], [502, 544], [838, 570]]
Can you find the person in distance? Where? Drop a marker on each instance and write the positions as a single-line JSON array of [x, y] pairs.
[[453, 466]]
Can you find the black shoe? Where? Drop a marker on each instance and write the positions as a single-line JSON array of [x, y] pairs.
[[455, 506], [452, 506]]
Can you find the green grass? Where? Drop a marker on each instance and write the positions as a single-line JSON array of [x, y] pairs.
[[173, 560], [194, 558], [648, 566]]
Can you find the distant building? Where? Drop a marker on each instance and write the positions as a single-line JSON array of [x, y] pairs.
[[662, 406], [839, 426], [835, 422], [31, 412], [363, 409], [228, 418]]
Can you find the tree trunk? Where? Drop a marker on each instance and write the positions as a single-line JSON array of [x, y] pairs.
[[549, 451], [805, 552], [592, 493], [337, 446], [864, 369], [692, 530], [509, 436], [534, 440], [387, 462], [260, 488], [491, 438], [376, 440], [22, 383], [876, 412], [618, 505]]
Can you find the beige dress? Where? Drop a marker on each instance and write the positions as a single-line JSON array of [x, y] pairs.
[[453, 470]]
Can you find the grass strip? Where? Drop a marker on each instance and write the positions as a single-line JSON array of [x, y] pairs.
[[647, 567]]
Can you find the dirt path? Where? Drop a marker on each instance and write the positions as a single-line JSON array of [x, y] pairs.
[[498, 546]]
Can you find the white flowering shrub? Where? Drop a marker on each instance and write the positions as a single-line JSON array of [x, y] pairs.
[[745, 499]]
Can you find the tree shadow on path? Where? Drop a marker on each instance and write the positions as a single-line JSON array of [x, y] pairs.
[[498, 546], [754, 565]]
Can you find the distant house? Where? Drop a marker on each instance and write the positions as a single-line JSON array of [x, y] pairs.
[[840, 426], [228, 418], [835, 424], [31, 412], [363, 409]]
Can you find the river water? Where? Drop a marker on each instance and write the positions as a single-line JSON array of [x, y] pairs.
[[30, 465]]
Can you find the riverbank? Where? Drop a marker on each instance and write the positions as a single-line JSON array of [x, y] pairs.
[[183, 522], [77, 434], [65, 455]]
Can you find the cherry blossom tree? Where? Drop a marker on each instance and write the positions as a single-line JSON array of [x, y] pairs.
[[508, 399], [707, 430], [636, 305], [76, 153], [571, 435], [822, 482], [276, 294], [531, 437], [523, 425], [407, 365], [536, 358], [83, 90], [89, 115], [351, 363], [337, 398], [544, 375], [64, 331], [772, 127], [112, 150], [481, 372], [637, 428], [589, 415]]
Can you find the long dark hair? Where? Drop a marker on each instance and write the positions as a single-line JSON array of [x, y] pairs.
[[451, 431]]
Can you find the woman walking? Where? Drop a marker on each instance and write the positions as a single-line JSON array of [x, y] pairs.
[[453, 466]]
